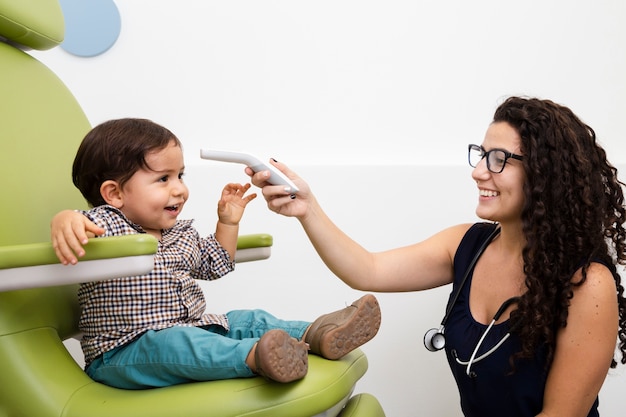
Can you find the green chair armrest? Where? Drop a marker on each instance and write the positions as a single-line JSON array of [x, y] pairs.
[[259, 240], [35, 265], [254, 247], [32, 254]]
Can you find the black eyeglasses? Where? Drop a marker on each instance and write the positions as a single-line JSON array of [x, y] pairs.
[[496, 158]]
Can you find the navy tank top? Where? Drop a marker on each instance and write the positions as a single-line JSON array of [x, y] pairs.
[[492, 389]]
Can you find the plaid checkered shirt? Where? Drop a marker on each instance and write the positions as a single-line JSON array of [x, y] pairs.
[[115, 312]]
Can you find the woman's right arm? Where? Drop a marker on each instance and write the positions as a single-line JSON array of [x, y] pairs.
[[419, 266]]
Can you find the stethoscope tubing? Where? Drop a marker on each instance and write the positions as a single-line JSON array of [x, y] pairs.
[[473, 359], [439, 333]]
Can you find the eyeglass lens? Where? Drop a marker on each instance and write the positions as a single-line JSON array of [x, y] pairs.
[[496, 158]]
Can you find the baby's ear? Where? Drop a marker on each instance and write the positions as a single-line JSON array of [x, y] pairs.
[[111, 193]]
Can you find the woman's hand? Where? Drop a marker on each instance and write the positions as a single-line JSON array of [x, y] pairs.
[[69, 231], [279, 198]]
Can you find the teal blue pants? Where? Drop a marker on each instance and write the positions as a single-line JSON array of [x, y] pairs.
[[182, 354]]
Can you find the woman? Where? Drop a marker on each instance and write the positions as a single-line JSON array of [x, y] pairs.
[[542, 266]]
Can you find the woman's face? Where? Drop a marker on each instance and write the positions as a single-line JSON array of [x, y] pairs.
[[500, 196]]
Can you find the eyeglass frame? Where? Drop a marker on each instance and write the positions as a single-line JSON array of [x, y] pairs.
[[485, 154]]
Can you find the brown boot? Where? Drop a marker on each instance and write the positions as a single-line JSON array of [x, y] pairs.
[[280, 357], [336, 334]]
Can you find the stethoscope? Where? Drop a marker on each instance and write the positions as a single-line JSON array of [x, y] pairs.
[[435, 340], [473, 359]]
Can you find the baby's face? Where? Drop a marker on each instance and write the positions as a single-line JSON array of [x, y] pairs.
[[153, 198]]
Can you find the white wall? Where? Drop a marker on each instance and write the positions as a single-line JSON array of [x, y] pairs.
[[371, 101], [353, 81]]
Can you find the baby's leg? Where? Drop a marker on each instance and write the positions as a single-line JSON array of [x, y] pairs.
[[173, 356]]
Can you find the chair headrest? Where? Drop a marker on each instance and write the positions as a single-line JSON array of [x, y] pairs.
[[32, 24]]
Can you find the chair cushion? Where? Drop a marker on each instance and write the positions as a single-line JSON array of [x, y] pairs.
[[48, 383], [42, 126], [34, 24], [326, 384]]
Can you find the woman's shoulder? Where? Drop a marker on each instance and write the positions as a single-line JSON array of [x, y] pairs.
[[475, 238], [479, 231], [465, 228], [598, 278]]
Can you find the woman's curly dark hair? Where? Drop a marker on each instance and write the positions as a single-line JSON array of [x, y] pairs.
[[573, 214]]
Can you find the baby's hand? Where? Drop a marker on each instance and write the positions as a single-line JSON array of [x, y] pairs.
[[69, 231], [233, 202]]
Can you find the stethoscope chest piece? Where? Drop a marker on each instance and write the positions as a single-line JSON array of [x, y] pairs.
[[434, 339]]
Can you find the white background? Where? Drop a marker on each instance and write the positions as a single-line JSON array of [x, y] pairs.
[[373, 102]]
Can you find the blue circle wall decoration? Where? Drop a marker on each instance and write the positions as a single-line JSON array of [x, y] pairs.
[[91, 26]]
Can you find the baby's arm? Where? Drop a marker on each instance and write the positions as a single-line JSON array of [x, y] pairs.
[[230, 209], [69, 231]]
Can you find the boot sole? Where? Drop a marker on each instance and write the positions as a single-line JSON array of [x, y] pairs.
[[360, 328], [280, 357]]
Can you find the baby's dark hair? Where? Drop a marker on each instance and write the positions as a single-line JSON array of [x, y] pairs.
[[115, 150]]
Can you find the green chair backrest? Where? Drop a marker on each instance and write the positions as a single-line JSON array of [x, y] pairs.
[[41, 126]]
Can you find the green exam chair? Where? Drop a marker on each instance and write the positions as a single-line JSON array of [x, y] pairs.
[[41, 125]]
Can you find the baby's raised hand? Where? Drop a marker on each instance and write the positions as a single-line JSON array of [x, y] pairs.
[[69, 231], [233, 202]]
